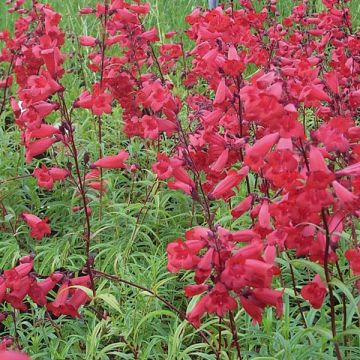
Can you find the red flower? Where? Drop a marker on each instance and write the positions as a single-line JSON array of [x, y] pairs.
[[71, 307], [57, 306], [102, 104], [112, 162], [87, 41], [17, 295], [13, 355], [255, 155], [38, 147], [39, 290], [224, 188], [242, 207], [43, 177], [182, 255], [13, 276], [39, 227], [99, 102], [353, 257], [193, 290], [217, 301], [314, 292]]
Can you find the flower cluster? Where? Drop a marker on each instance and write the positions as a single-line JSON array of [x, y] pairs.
[[271, 127], [21, 281], [291, 126]]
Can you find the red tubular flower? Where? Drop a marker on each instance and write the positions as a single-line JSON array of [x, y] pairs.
[[2, 289], [220, 163], [241, 208], [58, 174], [346, 198], [182, 255], [39, 290], [193, 290], [244, 235], [353, 257], [352, 170], [258, 273], [270, 297], [13, 355], [12, 276], [101, 104], [46, 177], [314, 292], [112, 162], [15, 297], [71, 307], [43, 177], [38, 147], [88, 41], [39, 227], [163, 167], [44, 131], [253, 307], [57, 306], [80, 281], [254, 157], [224, 188], [217, 301]]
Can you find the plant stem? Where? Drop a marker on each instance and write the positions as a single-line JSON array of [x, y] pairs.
[[2, 107], [81, 187], [235, 334], [296, 292], [328, 281]]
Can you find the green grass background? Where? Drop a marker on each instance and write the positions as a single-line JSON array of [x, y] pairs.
[[130, 242]]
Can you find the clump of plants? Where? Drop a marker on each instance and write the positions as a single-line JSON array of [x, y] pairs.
[[254, 117]]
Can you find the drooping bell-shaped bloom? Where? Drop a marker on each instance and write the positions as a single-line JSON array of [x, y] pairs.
[[220, 163], [57, 306], [352, 170], [38, 147], [353, 257], [46, 177], [314, 292], [72, 306], [39, 290], [16, 297], [241, 208], [58, 174], [112, 161], [181, 256], [88, 41], [39, 227], [218, 301], [44, 131], [12, 276], [43, 177], [224, 188], [193, 290], [316, 161], [346, 198], [254, 156]]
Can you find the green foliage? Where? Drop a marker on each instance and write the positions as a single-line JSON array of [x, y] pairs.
[[140, 217]]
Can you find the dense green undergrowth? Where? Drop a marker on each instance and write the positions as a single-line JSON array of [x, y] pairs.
[[140, 216]]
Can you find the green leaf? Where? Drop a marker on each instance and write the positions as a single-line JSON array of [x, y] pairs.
[[318, 269], [340, 285], [110, 300]]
